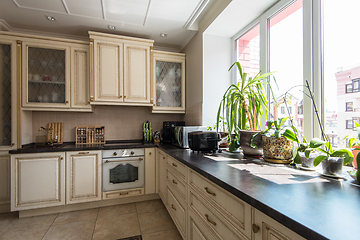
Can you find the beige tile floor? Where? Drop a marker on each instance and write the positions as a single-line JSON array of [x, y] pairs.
[[149, 219]]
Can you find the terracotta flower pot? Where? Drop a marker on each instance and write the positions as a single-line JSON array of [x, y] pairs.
[[277, 148], [355, 153]]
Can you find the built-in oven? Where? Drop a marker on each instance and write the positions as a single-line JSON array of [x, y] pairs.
[[123, 169]]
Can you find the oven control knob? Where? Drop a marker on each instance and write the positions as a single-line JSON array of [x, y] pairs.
[[132, 153], [115, 153]]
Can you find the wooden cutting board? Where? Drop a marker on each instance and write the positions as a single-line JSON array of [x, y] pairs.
[[55, 133]]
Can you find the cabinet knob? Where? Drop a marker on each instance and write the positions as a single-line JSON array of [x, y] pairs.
[[255, 228], [12, 144], [61, 158], [66, 101], [91, 99], [121, 96], [124, 96], [115, 153], [132, 153], [149, 153]]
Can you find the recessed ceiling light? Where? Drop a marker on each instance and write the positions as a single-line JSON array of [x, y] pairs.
[[164, 35], [50, 18], [111, 27]]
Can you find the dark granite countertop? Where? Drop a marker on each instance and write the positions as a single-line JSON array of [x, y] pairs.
[[71, 146], [312, 206]]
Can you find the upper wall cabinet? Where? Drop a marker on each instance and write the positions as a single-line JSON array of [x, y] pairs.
[[120, 70], [55, 75], [168, 81]]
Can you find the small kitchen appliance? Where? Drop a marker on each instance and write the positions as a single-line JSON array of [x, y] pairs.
[[181, 135], [168, 130], [204, 141]]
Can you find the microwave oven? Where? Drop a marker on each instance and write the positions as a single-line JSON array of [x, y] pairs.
[[181, 135]]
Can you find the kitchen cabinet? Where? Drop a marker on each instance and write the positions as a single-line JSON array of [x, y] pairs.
[[83, 176], [150, 170], [55, 75], [197, 229], [9, 88], [161, 174], [168, 80], [37, 180], [120, 70], [266, 228], [4, 179]]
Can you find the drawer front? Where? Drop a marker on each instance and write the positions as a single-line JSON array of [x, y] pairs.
[[177, 167], [237, 211], [123, 193], [175, 183], [198, 230], [177, 209], [212, 219]]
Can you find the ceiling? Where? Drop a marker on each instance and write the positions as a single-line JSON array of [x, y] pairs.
[[136, 18]]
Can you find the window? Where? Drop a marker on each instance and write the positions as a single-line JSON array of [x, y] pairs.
[[248, 51], [286, 54], [349, 107], [300, 110], [349, 88], [341, 66], [282, 110], [349, 124]]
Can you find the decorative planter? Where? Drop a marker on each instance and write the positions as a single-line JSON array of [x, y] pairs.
[[308, 162], [245, 140], [279, 148], [332, 166], [355, 153]]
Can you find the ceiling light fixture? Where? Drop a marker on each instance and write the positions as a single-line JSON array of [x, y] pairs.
[[163, 35], [50, 18], [111, 27]]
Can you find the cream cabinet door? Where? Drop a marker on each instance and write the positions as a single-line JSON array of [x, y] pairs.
[[136, 73], [83, 176], [80, 78], [161, 174], [108, 71], [266, 228], [150, 166], [37, 180], [4, 179]]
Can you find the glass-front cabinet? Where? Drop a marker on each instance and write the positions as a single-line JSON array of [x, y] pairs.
[[168, 82], [46, 75], [8, 88]]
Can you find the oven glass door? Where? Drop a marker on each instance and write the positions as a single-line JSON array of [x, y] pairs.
[[123, 173]]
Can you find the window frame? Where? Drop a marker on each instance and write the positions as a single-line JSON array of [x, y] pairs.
[[346, 107]]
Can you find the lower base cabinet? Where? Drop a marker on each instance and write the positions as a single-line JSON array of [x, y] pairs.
[[37, 180], [197, 230], [83, 176], [266, 228], [4, 179]]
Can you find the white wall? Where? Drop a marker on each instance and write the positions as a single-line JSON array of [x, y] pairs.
[[216, 78]]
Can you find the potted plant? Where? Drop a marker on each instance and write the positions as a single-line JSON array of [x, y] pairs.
[[276, 147], [354, 143], [242, 107]]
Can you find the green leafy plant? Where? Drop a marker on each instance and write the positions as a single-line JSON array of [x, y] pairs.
[[354, 143], [243, 104]]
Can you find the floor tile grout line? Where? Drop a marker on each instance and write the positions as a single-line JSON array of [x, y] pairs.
[[50, 226], [137, 215], [97, 215]]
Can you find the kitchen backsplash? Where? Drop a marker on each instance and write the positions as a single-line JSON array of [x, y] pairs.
[[193, 116], [120, 122]]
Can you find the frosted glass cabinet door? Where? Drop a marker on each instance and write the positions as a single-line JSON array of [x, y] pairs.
[[46, 75], [169, 82]]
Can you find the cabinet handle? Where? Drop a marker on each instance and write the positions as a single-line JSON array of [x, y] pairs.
[[172, 206], [255, 228], [91, 99], [174, 182], [209, 192], [88, 102], [12, 144], [61, 158], [66, 101], [174, 164], [124, 193], [83, 153], [208, 219]]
